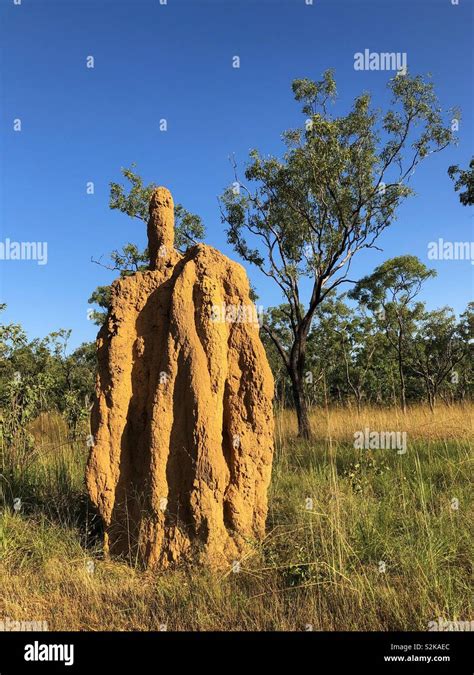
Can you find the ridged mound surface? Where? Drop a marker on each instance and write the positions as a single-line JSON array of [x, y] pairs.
[[182, 423]]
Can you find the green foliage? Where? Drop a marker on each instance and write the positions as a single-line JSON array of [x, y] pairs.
[[40, 376], [393, 284], [101, 297], [463, 179], [188, 226], [389, 292], [442, 344], [189, 229], [326, 199], [369, 352]]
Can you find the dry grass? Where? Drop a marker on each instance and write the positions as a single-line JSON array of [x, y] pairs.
[[339, 424], [318, 567]]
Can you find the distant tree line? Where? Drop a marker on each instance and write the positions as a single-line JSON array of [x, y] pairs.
[[38, 376], [385, 350]]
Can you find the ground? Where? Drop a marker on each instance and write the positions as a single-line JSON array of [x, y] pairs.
[[356, 539]]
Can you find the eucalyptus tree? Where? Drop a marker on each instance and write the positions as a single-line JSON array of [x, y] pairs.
[[358, 337], [390, 293], [302, 218], [437, 350]]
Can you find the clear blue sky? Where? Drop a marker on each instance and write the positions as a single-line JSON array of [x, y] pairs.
[[175, 62]]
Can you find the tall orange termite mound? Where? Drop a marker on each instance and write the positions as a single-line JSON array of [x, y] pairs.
[[182, 424]]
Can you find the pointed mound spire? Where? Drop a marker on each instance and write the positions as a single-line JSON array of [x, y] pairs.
[[160, 228]]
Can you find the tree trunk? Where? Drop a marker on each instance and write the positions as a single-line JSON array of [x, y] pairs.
[[403, 401], [359, 401], [301, 406]]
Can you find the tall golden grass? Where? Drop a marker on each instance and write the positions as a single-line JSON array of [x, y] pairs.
[[339, 424], [356, 539]]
